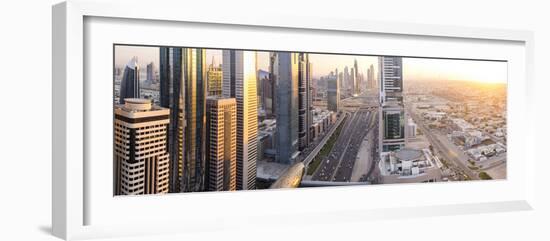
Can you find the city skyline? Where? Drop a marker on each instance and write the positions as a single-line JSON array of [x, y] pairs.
[[195, 120], [417, 68]]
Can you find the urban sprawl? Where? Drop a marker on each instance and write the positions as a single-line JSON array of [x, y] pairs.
[[191, 124]]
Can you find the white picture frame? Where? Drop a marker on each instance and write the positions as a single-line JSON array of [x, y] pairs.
[[74, 202]]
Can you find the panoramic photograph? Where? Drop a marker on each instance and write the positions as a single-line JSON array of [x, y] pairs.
[[192, 119]]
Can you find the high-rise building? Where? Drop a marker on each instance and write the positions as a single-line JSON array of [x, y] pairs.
[[214, 74], [344, 84], [151, 77], [357, 78], [267, 88], [285, 69], [141, 159], [194, 75], [311, 94], [353, 81], [239, 82], [129, 87], [221, 144], [333, 92], [304, 100], [172, 97], [370, 77], [392, 111]]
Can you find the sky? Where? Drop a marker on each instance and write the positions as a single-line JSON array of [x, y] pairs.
[[417, 69]]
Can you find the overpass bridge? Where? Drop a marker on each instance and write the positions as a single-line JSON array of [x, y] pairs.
[[293, 178]]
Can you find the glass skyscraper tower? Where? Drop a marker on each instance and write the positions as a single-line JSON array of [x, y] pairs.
[[392, 111], [194, 75], [183, 91], [129, 87], [304, 98], [284, 66], [239, 82], [171, 97]]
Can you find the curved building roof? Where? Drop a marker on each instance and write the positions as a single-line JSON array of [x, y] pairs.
[[291, 178]]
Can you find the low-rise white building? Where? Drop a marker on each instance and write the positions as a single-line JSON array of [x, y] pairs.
[[409, 166]]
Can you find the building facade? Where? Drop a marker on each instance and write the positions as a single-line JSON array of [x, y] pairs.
[[221, 144], [371, 82], [129, 87], [392, 111], [285, 69], [239, 82], [357, 79], [194, 72], [151, 77], [333, 92], [140, 139], [172, 97], [304, 101], [214, 75], [267, 96]]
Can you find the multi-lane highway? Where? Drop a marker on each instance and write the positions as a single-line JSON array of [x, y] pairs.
[[347, 161], [338, 164]]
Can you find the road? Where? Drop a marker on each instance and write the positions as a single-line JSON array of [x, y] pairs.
[[347, 160], [338, 165], [319, 144], [328, 166]]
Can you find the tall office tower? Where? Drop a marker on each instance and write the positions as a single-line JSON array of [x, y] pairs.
[[239, 82], [392, 111], [151, 73], [285, 69], [357, 76], [172, 97], [304, 101], [353, 82], [340, 79], [344, 84], [221, 144], [214, 74], [333, 92], [194, 75], [129, 87], [370, 77], [141, 160], [373, 76], [267, 89], [311, 93]]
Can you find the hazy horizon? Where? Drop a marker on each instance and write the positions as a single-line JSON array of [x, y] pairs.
[[414, 69]]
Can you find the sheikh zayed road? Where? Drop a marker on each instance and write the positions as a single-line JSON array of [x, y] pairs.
[[193, 120]]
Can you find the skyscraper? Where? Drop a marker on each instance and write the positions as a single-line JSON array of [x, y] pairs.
[[239, 82], [370, 77], [151, 73], [344, 83], [357, 78], [285, 69], [304, 100], [194, 75], [333, 92], [267, 89], [221, 144], [214, 74], [141, 159], [129, 87], [172, 98], [353, 81], [392, 111]]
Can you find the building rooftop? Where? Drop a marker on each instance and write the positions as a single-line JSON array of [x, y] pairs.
[[408, 154]]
